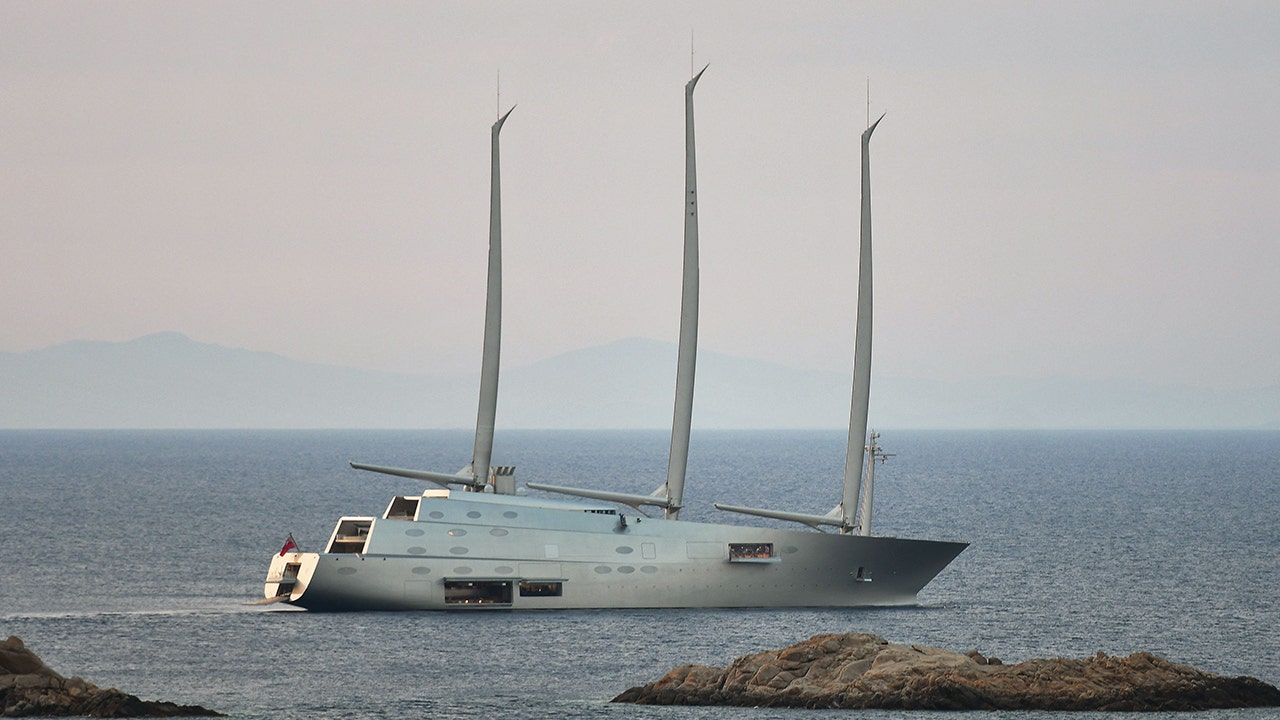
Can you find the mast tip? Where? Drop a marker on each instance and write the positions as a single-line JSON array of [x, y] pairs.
[[694, 80], [503, 118], [871, 128]]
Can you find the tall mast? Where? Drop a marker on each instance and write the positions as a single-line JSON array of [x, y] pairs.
[[856, 448], [687, 356], [485, 417]]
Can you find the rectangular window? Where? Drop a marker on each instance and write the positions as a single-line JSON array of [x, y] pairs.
[[288, 578], [402, 508], [751, 552], [541, 588], [477, 592], [350, 535]]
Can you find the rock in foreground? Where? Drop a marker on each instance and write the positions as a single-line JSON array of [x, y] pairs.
[[866, 671], [29, 688]]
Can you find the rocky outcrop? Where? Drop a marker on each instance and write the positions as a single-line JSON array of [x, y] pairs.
[[29, 688], [866, 671]]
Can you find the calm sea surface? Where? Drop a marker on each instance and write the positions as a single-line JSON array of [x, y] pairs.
[[128, 557]]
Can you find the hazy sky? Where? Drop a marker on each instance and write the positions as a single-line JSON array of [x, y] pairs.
[[1087, 189]]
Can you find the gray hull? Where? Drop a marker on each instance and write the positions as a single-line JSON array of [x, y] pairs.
[[479, 551]]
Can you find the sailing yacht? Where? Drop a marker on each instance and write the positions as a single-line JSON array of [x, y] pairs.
[[472, 540]]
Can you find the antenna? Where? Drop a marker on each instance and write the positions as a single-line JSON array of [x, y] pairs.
[[692, 65], [497, 102], [868, 101]]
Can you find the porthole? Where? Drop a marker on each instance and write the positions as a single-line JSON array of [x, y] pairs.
[[626, 569], [417, 550], [414, 532], [459, 550], [504, 570], [422, 570], [498, 532], [435, 514], [473, 514], [462, 570], [603, 569], [457, 532], [624, 550], [346, 571]]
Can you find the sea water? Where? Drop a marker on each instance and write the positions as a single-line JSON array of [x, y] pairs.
[[129, 556]]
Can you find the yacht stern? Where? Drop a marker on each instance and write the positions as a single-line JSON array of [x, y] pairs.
[[288, 575]]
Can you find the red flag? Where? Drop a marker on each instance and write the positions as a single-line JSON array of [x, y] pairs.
[[289, 544]]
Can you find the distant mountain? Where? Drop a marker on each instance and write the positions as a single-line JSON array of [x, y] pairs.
[[168, 380]]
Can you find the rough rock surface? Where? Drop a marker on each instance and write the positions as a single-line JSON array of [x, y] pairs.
[[30, 688], [866, 671]]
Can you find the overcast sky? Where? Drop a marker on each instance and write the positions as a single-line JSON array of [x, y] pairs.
[[1082, 189]]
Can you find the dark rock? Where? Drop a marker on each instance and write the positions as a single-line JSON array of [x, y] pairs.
[[29, 688], [866, 671]]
